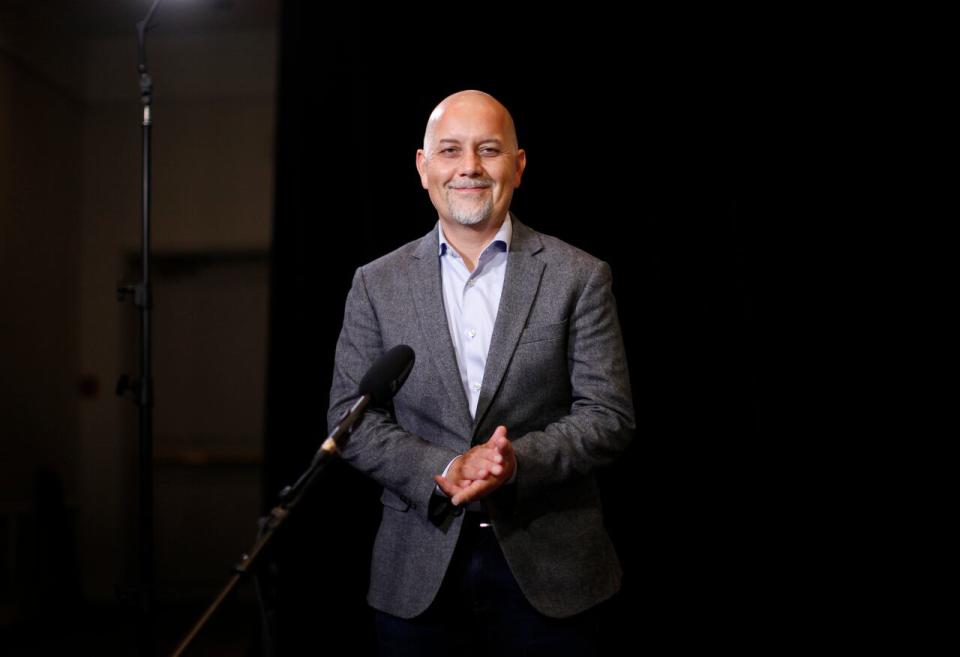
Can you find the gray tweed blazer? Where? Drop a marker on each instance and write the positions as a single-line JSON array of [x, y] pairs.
[[556, 377]]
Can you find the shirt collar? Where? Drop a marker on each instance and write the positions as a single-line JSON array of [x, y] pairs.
[[501, 240]]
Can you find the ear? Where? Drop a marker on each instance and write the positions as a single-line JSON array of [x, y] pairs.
[[521, 165], [422, 167]]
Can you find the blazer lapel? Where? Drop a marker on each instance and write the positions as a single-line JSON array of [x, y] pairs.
[[519, 290], [428, 298]]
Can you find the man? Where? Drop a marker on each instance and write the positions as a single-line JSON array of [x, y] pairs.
[[519, 393]]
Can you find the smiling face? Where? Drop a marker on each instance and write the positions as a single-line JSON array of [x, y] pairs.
[[470, 163]]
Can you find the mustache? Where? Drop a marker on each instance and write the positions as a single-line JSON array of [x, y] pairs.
[[471, 184]]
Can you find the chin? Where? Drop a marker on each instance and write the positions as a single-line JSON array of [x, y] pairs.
[[470, 221], [478, 216]]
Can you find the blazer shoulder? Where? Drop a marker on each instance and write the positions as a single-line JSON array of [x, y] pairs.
[[557, 252]]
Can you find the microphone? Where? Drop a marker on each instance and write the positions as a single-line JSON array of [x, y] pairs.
[[378, 386], [386, 376]]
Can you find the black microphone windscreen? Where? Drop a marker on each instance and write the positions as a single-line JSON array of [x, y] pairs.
[[387, 374]]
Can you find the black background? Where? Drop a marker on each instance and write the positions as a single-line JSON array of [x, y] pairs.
[[691, 171]]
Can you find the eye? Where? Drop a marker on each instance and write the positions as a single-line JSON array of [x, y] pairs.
[[489, 151], [449, 151]]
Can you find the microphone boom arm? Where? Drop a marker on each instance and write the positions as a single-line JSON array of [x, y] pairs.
[[289, 497], [330, 448], [381, 382]]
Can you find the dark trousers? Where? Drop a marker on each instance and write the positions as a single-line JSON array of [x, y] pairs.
[[480, 610]]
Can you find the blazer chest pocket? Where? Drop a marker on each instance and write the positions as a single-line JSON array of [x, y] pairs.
[[394, 501], [543, 332]]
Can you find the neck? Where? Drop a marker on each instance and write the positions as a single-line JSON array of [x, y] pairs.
[[469, 241]]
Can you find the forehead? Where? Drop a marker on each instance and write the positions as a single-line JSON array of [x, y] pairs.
[[469, 121]]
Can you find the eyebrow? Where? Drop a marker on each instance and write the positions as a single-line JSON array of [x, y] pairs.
[[491, 140]]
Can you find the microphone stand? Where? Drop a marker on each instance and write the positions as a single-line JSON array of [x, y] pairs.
[[142, 387], [290, 496]]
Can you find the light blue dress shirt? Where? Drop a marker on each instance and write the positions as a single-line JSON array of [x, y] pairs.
[[471, 301]]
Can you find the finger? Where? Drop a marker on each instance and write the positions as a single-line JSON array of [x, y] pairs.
[[483, 463], [470, 472], [447, 486], [469, 493], [491, 468], [486, 473], [507, 451], [477, 490], [480, 463], [493, 458], [499, 440], [489, 453]]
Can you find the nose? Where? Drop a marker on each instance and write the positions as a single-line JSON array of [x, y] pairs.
[[470, 164]]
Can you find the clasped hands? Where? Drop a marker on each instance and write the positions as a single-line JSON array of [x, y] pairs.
[[481, 470]]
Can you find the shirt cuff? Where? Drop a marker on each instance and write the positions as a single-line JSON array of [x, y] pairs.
[[445, 471]]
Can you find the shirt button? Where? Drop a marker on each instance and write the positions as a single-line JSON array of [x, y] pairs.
[[476, 387], [472, 333], [471, 282]]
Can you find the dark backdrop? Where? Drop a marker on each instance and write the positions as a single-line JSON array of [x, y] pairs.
[[659, 162]]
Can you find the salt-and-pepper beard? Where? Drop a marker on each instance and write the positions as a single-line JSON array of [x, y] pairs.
[[469, 212]]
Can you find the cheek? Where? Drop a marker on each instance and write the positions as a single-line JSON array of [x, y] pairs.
[[505, 179]]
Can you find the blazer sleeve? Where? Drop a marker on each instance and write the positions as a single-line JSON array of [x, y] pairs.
[[393, 457], [600, 424]]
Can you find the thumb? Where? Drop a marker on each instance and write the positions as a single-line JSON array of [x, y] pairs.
[[499, 436]]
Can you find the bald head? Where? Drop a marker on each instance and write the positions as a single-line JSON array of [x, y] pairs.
[[470, 102], [470, 163]]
